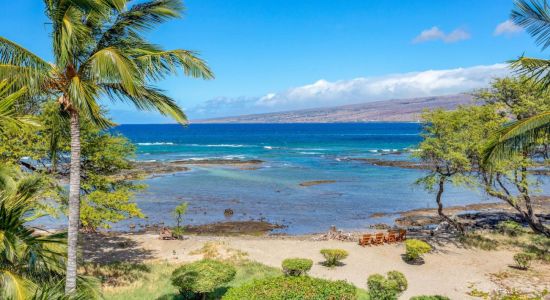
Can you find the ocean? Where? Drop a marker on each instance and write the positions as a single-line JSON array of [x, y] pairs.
[[292, 153]]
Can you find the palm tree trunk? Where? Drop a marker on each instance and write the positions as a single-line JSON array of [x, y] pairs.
[[74, 204]]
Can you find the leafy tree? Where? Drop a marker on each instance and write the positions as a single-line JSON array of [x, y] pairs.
[[452, 147], [513, 149], [107, 193], [99, 51], [179, 211]]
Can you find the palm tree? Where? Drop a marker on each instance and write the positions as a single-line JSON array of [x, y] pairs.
[[99, 51], [32, 264], [27, 261], [534, 16]]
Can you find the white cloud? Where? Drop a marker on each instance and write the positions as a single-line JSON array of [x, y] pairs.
[[435, 33], [324, 93], [507, 28]]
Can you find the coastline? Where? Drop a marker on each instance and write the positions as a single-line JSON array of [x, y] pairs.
[[472, 214]]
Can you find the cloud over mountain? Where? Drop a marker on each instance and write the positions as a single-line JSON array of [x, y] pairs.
[[324, 93], [435, 33]]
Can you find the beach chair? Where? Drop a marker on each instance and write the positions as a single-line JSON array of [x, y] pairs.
[[378, 239], [391, 237], [166, 234], [402, 235], [365, 240]]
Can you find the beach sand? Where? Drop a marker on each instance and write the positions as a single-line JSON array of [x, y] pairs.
[[449, 270]]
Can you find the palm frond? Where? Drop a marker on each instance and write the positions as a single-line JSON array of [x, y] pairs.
[[534, 16], [13, 54], [83, 95], [147, 98], [27, 260], [534, 69], [8, 115], [517, 137], [157, 64], [140, 17], [111, 66], [13, 286]]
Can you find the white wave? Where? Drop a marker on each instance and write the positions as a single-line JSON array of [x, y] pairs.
[[309, 153], [268, 147], [155, 144], [373, 151], [309, 149], [227, 145]]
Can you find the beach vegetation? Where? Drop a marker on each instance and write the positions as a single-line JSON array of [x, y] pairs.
[[333, 257], [451, 147], [387, 288], [292, 287], [32, 263], [508, 178], [296, 266], [415, 249], [153, 280], [511, 228], [477, 240], [515, 147], [523, 260], [202, 277], [100, 51], [178, 212], [115, 274], [434, 297], [107, 191]]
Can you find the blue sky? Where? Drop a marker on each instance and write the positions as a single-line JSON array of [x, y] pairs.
[[273, 55]]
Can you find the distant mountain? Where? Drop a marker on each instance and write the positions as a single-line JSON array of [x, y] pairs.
[[388, 110]]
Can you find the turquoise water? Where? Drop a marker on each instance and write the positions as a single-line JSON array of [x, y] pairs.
[[293, 153]]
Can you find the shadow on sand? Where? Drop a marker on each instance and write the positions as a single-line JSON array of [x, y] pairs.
[[106, 248]]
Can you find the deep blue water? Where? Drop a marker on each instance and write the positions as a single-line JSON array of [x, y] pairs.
[[293, 153]]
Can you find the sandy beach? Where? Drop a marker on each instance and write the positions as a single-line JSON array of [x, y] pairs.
[[448, 270]]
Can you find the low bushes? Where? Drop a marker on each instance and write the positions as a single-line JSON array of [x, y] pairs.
[[386, 288], [523, 260], [414, 249], [510, 228], [333, 257], [202, 277], [292, 287], [435, 297], [296, 266]]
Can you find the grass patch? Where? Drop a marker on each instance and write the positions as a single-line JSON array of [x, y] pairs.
[[477, 240], [155, 284]]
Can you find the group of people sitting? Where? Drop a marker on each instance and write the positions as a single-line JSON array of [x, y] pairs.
[[393, 236]]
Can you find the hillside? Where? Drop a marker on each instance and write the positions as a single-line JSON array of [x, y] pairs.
[[388, 110]]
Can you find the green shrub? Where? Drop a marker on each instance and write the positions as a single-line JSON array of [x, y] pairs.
[[510, 228], [292, 287], [202, 277], [333, 256], [523, 260], [414, 249], [382, 288], [435, 297], [297, 266]]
